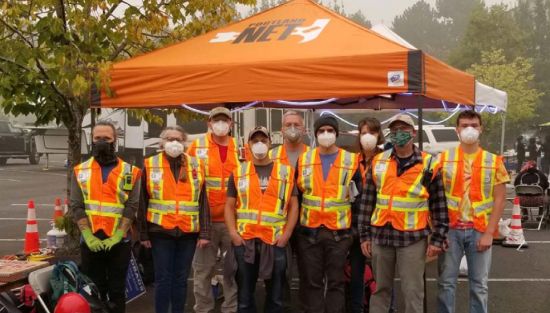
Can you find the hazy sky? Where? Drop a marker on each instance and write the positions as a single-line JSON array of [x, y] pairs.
[[378, 11]]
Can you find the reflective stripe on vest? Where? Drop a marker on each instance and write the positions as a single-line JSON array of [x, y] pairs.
[[173, 204], [403, 206], [279, 153], [326, 202], [103, 215], [262, 215], [483, 174], [216, 172]]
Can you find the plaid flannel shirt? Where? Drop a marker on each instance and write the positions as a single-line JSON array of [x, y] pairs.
[[389, 236]]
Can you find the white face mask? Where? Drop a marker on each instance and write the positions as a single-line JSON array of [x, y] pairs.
[[469, 135], [368, 141], [259, 149], [220, 128], [326, 139], [293, 134], [173, 148]]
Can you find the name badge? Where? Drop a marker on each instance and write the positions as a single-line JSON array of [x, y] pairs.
[[156, 176], [306, 171], [380, 167], [83, 176], [243, 184], [202, 153]]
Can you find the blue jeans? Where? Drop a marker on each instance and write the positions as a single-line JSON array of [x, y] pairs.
[[247, 276], [479, 263], [172, 258]]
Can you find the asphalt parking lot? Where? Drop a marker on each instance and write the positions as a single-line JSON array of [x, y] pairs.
[[519, 281]]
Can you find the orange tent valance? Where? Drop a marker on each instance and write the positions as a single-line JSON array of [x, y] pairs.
[[297, 51]]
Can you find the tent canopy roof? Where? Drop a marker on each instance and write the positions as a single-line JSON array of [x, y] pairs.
[[485, 95], [297, 51]]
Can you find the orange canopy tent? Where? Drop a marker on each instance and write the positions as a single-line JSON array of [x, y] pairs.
[[297, 51]]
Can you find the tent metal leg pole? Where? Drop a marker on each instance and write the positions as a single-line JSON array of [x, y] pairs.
[[420, 125], [503, 131], [311, 128]]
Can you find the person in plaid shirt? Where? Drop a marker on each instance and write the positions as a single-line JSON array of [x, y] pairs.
[[403, 204]]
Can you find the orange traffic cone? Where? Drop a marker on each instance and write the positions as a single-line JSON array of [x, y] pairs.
[[32, 242], [515, 238], [57, 211]]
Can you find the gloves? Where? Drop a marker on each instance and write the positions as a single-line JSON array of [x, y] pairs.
[[113, 240], [92, 241]]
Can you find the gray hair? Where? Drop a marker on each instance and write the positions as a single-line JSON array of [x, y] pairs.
[[292, 112], [176, 128], [106, 123]]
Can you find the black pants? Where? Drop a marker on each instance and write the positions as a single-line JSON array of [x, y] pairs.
[[247, 277], [322, 262], [108, 271]]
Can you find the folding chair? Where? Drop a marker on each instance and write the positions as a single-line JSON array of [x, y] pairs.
[[533, 193], [40, 283]]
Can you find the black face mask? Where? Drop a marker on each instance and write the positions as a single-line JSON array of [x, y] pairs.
[[104, 152]]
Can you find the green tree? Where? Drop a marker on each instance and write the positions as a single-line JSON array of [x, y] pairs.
[[53, 51], [419, 25], [517, 79], [360, 18], [533, 17], [493, 28], [455, 15]]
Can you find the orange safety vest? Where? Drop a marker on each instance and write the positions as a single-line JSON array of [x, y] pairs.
[[401, 200], [484, 168], [173, 203], [326, 202], [104, 202], [279, 154], [262, 215], [216, 172]]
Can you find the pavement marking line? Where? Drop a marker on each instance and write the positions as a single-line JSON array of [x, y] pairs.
[[40, 204], [22, 219], [32, 172], [12, 180], [18, 240], [501, 280]]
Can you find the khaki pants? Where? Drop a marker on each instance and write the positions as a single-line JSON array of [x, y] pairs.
[[410, 262], [204, 268]]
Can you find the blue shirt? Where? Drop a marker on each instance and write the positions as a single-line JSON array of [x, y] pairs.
[[106, 170], [326, 162]]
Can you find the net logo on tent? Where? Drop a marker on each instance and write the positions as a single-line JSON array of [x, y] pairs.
[[274, 30]]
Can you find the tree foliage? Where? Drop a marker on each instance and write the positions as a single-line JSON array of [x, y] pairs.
[[516, 77], [493, 28], [419, 25], [533, 18], [53, 50]]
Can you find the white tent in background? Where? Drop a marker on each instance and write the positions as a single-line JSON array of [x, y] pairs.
[[486, 96]]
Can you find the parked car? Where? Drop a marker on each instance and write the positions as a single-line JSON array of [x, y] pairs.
[[16, 143]]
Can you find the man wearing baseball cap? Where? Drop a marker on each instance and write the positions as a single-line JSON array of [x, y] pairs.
[[218, 152], [260, 213], [328, 180], [404, 195]]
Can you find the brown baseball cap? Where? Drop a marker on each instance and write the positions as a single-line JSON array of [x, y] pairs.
[[259, 129], [403, 117], [220, 111]]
